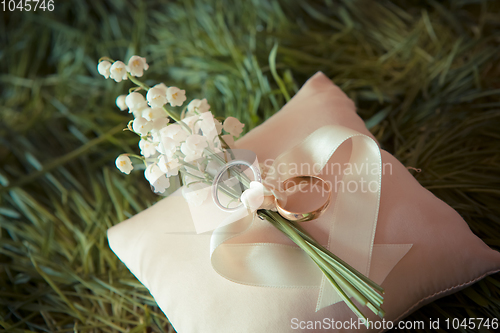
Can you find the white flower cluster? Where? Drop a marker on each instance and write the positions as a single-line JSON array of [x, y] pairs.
[[169, 148], [118, 70]]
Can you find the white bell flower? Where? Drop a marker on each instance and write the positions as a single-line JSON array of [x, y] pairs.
[[137, 113], [142, 126], [153, 113], [137, 65], [156, 178], [124, 164], [158, 124], [161, 184], [120, 102], [161, 86], [173, 167], [135, 101], [152, 173], [210, 128], [193, 147], [175, 96], [191, 122], [233, 126], [147, 148], [103, 68], [196, 193], [175, 132], [207, 123], [169, 166], [197, 106], [155, 136], [163, 163], [167, 146], [156, 97], [118, 71]]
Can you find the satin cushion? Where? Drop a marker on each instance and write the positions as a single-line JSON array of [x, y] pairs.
[[161, 248]]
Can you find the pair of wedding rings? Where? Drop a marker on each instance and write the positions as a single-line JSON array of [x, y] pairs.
[[289, 184]]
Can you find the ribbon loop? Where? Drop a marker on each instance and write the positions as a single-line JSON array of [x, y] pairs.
[[352, 221]]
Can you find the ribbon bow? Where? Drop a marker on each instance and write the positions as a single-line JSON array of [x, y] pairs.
[[350, 222]]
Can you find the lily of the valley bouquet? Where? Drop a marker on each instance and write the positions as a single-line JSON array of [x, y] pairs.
[[188, 143]]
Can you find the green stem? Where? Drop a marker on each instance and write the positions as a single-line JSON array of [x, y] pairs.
[[224, 188], [143, 159], [136, 156], [241, 176], [364, 285], [177, 119], [285, 224], [137, 82], [337, 281], [311, 240]]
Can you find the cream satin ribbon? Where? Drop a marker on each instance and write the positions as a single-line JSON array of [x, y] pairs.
[[351, 234]]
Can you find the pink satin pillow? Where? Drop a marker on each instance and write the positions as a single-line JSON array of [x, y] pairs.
[[161, 248]]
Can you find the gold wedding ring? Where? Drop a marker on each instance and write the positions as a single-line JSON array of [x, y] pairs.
[[305, 216]]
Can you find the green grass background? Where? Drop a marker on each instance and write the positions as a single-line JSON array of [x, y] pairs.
[[424, 74]]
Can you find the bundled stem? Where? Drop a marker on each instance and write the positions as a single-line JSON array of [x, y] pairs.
[[346, 280]]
